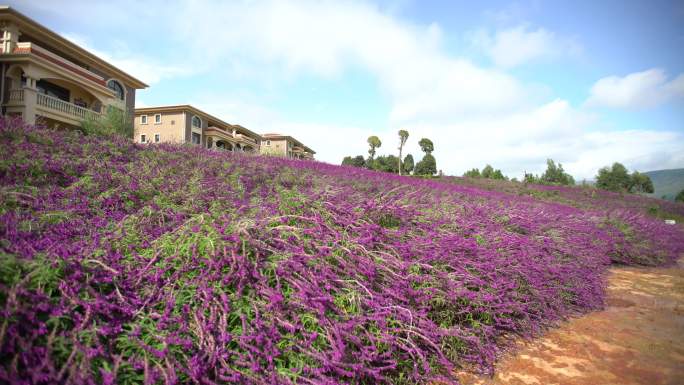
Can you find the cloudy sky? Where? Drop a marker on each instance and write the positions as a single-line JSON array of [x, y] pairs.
[[507, 83]]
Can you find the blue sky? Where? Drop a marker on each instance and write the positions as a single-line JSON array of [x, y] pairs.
[[507, 83]]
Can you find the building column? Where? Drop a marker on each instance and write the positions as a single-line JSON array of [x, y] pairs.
[[30, 100]]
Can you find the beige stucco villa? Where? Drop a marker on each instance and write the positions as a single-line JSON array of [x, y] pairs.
[[187, 124], [49, 80], [285, 145]]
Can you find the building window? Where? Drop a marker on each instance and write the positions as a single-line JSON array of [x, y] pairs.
[[196, 122], [143, 119], [268, 142], [117, 88], [196, 138], [156, 138], [142, 138], [157, 119]]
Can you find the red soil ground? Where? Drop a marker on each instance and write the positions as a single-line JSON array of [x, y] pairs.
[[637, 339]]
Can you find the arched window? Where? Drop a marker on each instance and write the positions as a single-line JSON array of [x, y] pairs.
[[117, 88], [196, 122]]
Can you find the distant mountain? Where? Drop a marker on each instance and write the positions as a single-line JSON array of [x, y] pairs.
[[667, 183]]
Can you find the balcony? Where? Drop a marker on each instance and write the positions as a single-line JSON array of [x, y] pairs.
[[49, 107], [65, 108], [246, 139]]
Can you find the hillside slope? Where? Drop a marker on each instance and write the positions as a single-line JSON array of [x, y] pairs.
[[126, 263], [667, 183]]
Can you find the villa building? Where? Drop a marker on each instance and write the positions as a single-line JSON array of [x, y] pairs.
[[48, 79], [284, 145], [187, 124]]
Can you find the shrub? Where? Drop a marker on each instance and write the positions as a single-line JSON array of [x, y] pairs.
[[113, 122]]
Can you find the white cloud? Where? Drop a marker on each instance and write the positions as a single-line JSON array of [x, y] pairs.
[[521, 44], [637, 90], [326, 39], [148, 70]]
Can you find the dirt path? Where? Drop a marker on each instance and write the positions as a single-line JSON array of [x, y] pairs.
[[637, 339]]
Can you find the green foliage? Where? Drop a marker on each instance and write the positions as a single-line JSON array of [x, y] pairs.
[[386, 163], [680, 197], [617, 179], [426, 146], [474, 173], [640, 183], [408, 164], [613, 178], [488, 172], [403, 136], [357, 161], [531, 178], [427, 166], [113, 122], [497, 174], [555, 175], [374, 143]]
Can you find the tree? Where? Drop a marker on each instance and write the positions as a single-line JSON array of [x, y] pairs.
[[386, 163], [614, 178], [426, 145], [357, 161], [487, 172], [497, 174], [426, 166], [680, 197], [374, 142], [555, 174], [640, 183], [403, 136], [408, 164], [530, 178], [474, 173]]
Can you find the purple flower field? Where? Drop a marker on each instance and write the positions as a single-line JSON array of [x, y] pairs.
[[124, 263]]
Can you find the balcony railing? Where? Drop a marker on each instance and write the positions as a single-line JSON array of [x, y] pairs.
[[246, 138], [67, 108], [15, 96]]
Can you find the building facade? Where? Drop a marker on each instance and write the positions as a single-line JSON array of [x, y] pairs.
[[187, 124], [284, 145], [49, 80]]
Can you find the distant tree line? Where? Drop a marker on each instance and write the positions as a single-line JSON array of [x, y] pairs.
[[617, 178], [488, 172], [427, 166]]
